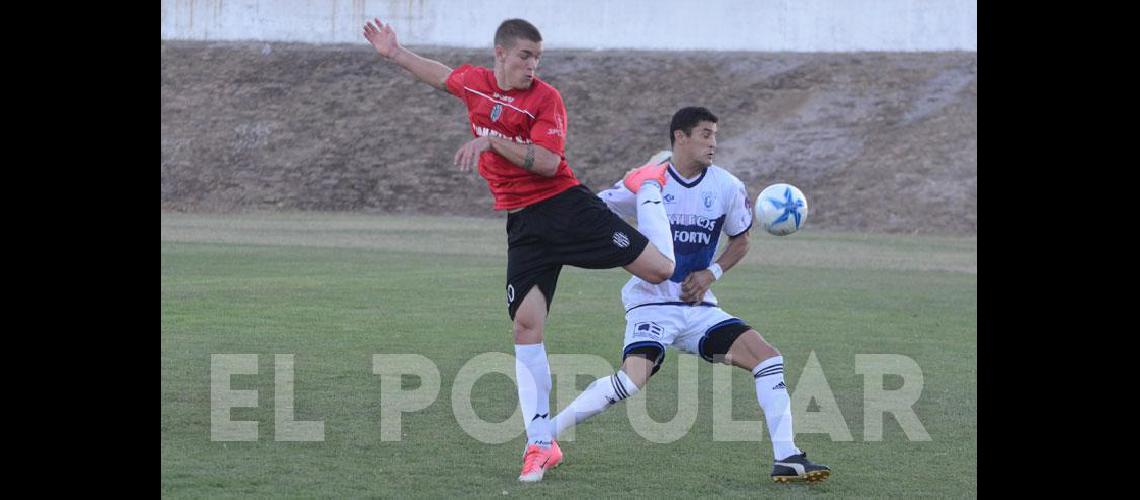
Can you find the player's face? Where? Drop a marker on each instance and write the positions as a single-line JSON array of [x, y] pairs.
[[699, 145], [519, 62]]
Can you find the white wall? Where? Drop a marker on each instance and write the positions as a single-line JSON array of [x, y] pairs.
[[749, 25]]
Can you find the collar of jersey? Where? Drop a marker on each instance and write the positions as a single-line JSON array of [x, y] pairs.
[[680, 180]]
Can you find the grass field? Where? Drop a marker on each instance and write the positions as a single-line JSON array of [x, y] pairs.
[[332, 290]]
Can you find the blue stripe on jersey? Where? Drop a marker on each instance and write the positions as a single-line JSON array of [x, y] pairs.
[[694, 246], [744, 231], [681, 181]]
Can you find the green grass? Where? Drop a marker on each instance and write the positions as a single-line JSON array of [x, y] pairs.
[[335, 289]]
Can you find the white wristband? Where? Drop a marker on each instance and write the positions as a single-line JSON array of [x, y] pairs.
[[716, 270]]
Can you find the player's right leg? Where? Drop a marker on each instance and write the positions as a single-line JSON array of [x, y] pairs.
[[532, 371], [605, 392], [647, 334], [531, 282]]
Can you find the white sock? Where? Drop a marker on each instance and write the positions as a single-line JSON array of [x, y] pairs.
[[777, 406], [601, 394], [533, 373], [652, 220]]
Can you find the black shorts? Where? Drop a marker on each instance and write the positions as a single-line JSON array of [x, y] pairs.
[[573, 228]]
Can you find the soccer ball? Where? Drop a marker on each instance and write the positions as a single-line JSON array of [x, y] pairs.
[[781, 209]]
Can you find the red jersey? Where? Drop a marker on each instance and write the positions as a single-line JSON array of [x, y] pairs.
[[535, 115]]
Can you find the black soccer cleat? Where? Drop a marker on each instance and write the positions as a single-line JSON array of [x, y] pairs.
[[797, 468]]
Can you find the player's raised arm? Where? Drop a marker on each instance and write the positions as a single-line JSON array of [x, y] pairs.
[[620, 200], [383, 39]]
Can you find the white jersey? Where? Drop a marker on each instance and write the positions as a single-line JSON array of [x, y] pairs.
[[699, 209]]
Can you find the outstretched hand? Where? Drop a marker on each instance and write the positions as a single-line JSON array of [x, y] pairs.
[[382, 37]]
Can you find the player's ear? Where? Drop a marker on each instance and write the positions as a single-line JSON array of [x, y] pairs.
[[500, 53], [678, 135]]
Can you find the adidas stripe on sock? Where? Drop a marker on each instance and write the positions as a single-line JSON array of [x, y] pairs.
[[772, 394]]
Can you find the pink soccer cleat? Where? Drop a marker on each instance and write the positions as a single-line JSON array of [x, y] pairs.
[[537, 460], [648, 172]]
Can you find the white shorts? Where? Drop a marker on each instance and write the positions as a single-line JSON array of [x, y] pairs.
[[682, 326]]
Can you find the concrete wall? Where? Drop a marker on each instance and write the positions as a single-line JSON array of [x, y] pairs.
[[734, 25]]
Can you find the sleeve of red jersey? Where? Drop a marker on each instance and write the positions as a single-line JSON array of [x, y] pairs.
[[549, 129], [456, 80]]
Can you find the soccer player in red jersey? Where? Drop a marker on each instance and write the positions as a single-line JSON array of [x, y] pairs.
[[519, 123]]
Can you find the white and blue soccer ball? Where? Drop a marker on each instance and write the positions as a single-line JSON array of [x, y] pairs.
[[781, 209]]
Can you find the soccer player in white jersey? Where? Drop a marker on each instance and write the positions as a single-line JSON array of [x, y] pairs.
[[701, 200]]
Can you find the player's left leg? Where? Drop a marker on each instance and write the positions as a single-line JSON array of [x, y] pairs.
[[590, 236], [751, 352], [657, 262], [720, 337]]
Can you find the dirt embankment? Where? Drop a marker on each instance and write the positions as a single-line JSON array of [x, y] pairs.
[[878, 142]]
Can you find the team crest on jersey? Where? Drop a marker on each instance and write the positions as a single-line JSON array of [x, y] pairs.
[[709, 197], [669, 198], [496, 112]]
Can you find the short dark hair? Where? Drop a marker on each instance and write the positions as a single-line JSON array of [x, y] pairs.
[[687, 118], [514, 29]]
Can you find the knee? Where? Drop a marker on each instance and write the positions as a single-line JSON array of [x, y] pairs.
[[640, 364], [527, 332], [737, 345], [639, 379], [661, 272], [764, 349], [757, 347]]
